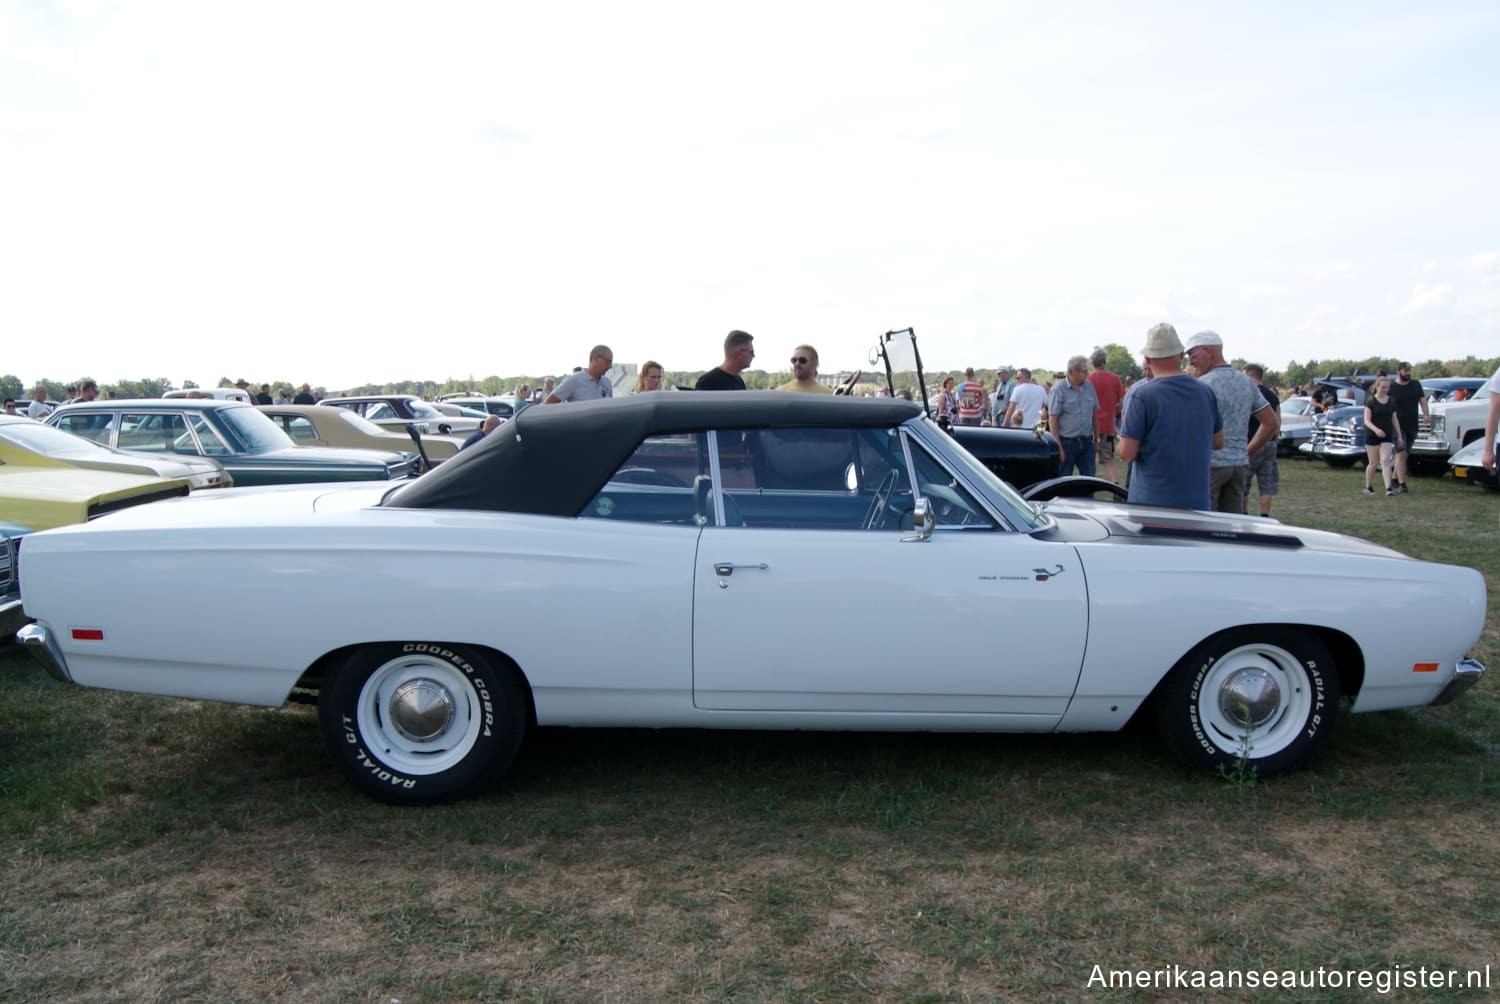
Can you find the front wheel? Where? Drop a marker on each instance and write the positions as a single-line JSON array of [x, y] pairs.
[[1264, 696], [421, 722]]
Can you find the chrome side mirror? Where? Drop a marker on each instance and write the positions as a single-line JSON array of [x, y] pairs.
[[924, 520]]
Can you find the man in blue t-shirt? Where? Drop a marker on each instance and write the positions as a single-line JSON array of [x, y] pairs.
[[1171, 429]]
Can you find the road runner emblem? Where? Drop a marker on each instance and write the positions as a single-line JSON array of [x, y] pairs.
[[1042, 575]]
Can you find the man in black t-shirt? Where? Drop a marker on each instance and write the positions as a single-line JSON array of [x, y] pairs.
[[1407, 393], [738, 354]]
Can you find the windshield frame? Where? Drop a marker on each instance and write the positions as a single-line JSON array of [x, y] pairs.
[[1018, 514]]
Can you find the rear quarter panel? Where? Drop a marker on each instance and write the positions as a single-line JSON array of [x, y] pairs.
[[578, 604]]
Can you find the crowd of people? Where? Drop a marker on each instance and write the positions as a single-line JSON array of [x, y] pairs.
[[1193, 436]]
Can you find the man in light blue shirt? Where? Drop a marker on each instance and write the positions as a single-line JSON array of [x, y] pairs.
[[587, 384], [1073, 419]]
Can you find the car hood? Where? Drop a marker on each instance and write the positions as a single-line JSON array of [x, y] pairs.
[[1089, 520], [141, 463], [1470, 455]]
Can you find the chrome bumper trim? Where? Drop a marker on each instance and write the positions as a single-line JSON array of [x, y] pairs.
[[43, 648], [1465, 674], [11, 618]]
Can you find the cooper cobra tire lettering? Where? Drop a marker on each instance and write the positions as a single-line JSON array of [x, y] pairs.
[[1295, 691], [369, 728]]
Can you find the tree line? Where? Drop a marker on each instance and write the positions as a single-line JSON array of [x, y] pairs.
[[1118, 359]]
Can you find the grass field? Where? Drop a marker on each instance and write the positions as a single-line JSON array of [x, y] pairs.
[[176, 851]]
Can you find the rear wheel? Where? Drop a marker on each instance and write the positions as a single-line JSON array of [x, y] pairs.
[[422, 722], [1266, 696]]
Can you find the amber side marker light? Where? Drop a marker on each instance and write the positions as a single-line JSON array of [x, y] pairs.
[[88, 634], [1424, 667]]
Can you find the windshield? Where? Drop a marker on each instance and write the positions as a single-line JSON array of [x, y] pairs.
[[46, 440], [1024, 510], [255, 430], [903, 365], [361, 423]]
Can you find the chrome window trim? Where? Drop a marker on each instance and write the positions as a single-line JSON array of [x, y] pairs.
[[941, 446]]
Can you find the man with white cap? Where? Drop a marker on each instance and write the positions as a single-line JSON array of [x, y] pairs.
[[1229, 469], [1171, 429]]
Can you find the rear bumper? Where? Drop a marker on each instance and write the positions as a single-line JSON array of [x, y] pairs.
[[43, 648], [1465, 674]]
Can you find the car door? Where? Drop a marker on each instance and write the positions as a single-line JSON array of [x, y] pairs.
[[870, 618]]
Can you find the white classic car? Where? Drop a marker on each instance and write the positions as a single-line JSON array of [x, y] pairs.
[[785, 561]]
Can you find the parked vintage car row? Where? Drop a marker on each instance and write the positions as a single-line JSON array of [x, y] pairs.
[[1338, 435]]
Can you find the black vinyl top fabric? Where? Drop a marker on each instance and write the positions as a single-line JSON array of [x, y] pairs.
[[552, 459]]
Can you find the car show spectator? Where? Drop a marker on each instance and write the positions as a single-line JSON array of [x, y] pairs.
[[1382, 429], [947, 402], [283, 396], [88, 390], [805, 372], [971, 400], [1172, 427], [1111, 392], [1073, 419], [1000, 400], [1410, 399], [264, 397], [491, 423], [1026, 401], [738, 354], [1229, 470], [10, 407], [1491, 424], [304, 396], [589, 383], [649, 378], [38, 408], [1263, 462]]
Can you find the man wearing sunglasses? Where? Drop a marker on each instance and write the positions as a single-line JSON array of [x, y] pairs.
[[738, 354], [805, 372]]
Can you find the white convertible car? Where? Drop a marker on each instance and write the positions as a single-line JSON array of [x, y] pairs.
[[777, 561]]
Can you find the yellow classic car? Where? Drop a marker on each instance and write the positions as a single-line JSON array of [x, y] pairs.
[[322, 425], [39, 498], [26, 443]]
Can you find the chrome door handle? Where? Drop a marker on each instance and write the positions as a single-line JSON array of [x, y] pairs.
[[728, 567]]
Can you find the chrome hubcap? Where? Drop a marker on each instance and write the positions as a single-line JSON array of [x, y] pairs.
[[421, 710], [1252, 692]]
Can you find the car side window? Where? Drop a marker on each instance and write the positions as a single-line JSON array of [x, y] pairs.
[[952, 504], [380, 411], [814, 478], [298, 427], [94, 427], [664, 480], [160, 433], [213, 444]]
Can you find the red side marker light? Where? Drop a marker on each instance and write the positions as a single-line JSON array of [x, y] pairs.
[[1424, 667], [88, 634]]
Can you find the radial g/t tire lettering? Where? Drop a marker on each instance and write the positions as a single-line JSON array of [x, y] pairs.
[[416, 722]]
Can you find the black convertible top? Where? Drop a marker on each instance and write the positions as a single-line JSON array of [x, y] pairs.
[[551, 459]]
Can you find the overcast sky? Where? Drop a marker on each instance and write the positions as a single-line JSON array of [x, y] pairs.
[[355, 192]]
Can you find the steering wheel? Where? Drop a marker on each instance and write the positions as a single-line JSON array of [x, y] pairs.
[[874, 518], [846, 385]]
